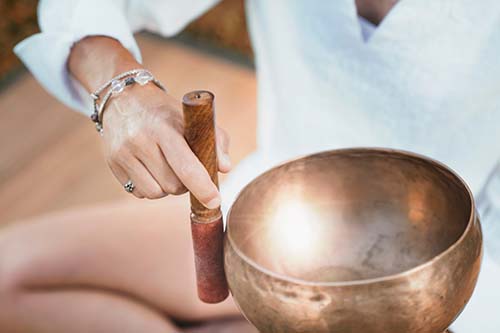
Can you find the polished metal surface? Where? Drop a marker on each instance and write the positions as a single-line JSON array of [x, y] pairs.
[[354, 240]]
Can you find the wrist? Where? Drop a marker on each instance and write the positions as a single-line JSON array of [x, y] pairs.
[[135, 97], [116, 86], [96, 59]]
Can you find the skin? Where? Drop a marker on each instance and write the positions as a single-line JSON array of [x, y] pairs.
[[104, 269], [143, 128], [115, 268]]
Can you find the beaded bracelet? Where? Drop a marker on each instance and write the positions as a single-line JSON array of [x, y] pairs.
[[115, 86]]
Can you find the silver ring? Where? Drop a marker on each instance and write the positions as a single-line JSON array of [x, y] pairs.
[[129, 186]]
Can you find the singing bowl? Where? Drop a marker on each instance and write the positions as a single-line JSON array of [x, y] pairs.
[[354, 240]]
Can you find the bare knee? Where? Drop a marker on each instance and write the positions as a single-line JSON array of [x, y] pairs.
[[12, 272], [15, 268]]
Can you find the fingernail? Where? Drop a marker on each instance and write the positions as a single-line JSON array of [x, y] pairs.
[[214, 203], [226, 160]]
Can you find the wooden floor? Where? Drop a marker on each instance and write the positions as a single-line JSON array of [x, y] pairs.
[[50, 157]]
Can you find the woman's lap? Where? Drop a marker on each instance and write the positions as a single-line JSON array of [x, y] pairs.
[[134, 247], [137, 248]]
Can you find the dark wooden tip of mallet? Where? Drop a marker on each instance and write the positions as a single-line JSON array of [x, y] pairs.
[[206, 224]]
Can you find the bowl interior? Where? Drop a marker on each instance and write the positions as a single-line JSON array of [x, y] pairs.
[[349, 215]]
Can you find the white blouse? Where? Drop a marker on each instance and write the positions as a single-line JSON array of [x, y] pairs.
[[427, 80]]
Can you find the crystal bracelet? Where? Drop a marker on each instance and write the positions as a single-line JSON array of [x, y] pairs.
[[115, 86]]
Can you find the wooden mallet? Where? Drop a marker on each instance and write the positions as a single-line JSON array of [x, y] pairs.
[[206, 224]]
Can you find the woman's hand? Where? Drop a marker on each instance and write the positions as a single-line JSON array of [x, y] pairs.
[[143, 128], [144, 143]]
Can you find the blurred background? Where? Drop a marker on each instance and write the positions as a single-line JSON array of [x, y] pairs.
[[223, 26], [50, 156]]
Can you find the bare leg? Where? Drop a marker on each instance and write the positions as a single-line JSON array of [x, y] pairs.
[[78, 311], [116, 268]]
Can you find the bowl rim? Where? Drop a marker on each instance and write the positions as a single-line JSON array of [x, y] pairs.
[[390, 277]]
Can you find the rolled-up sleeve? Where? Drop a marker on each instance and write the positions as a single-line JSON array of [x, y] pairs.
[[62, 23]]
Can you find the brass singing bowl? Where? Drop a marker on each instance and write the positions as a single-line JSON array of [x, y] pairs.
[[354, 240]]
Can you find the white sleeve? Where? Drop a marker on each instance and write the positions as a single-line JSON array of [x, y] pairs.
[[62, 23], [481, 313]]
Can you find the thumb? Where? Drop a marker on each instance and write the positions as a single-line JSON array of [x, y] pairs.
[[222, 143]]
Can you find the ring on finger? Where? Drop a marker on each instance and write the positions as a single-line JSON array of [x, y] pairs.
[[129, 186]]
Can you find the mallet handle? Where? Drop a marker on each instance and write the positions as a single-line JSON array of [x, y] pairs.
[[206, 224]]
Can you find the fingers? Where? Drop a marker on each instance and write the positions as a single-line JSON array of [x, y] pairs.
[[127, 167], [159, 168], [148, 148], [222, 146], [189, 170], [123, 178], [143, 180]]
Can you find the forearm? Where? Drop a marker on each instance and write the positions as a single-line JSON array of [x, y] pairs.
[[96, 59]]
